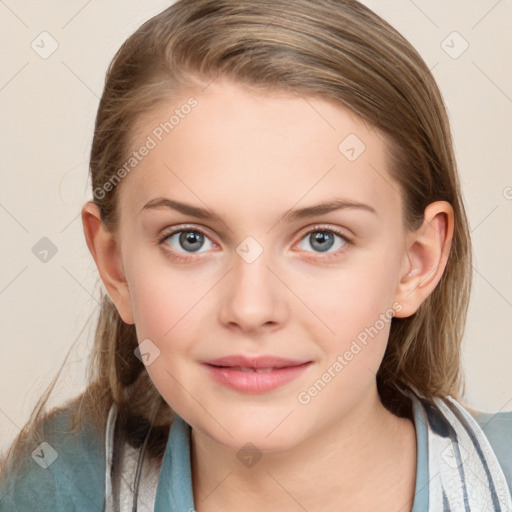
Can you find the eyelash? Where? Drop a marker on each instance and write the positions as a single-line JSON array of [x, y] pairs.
[[186, 259]]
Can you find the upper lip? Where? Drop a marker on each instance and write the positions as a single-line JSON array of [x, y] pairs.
[[255, 362]]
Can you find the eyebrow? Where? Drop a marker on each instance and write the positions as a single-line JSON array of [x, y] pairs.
[[290, 215]]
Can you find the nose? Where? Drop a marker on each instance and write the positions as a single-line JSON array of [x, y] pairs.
[[253, 297]]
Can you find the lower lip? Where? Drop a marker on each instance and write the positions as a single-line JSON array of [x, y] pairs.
[[253, 382]]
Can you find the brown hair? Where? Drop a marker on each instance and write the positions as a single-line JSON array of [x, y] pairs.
[[334, 49]]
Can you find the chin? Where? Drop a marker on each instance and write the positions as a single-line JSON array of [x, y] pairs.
[[261, 438]]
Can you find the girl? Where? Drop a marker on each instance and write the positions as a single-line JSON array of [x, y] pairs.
[[277, 220]]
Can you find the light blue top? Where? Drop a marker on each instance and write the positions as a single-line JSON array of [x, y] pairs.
[[75, 479]]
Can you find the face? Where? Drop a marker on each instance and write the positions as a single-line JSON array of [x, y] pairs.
[[245, 266]]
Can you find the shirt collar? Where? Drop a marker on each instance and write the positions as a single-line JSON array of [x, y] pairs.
[[174, 491]]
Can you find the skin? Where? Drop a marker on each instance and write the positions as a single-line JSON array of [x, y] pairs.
[[251, 159]]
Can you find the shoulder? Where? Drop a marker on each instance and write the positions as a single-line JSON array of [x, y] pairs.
[[497, 427], [63, 470]]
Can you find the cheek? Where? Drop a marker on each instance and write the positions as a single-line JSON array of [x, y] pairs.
[[350, 301], [352, 316], [162, 297], [164, 313], [356, 317], [154, 308], [172, 310]]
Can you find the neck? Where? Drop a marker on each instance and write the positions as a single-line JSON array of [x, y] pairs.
[[364, 458]]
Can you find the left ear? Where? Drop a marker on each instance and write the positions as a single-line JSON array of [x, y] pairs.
[[425, 258]]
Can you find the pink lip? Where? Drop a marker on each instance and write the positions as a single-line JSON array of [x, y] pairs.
[[228, 371]]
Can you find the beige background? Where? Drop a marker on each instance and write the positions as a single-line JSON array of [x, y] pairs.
[[48, 107]]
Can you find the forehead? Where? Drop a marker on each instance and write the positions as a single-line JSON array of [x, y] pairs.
[[228, 146]]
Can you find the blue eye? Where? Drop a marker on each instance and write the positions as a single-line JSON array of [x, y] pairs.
[[322, 240], [190, 240], [182, 243]]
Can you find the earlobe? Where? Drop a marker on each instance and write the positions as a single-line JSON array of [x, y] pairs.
[[104, 249], [425, 258]]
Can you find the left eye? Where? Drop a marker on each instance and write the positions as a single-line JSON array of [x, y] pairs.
[[323, 239]]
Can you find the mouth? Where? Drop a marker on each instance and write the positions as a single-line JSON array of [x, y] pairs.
[[255, 376], [249, 363]]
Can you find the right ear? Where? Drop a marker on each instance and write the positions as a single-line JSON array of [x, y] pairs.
[[104, 248]]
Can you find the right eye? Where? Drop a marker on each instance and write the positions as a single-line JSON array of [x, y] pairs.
[[184, 241]]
